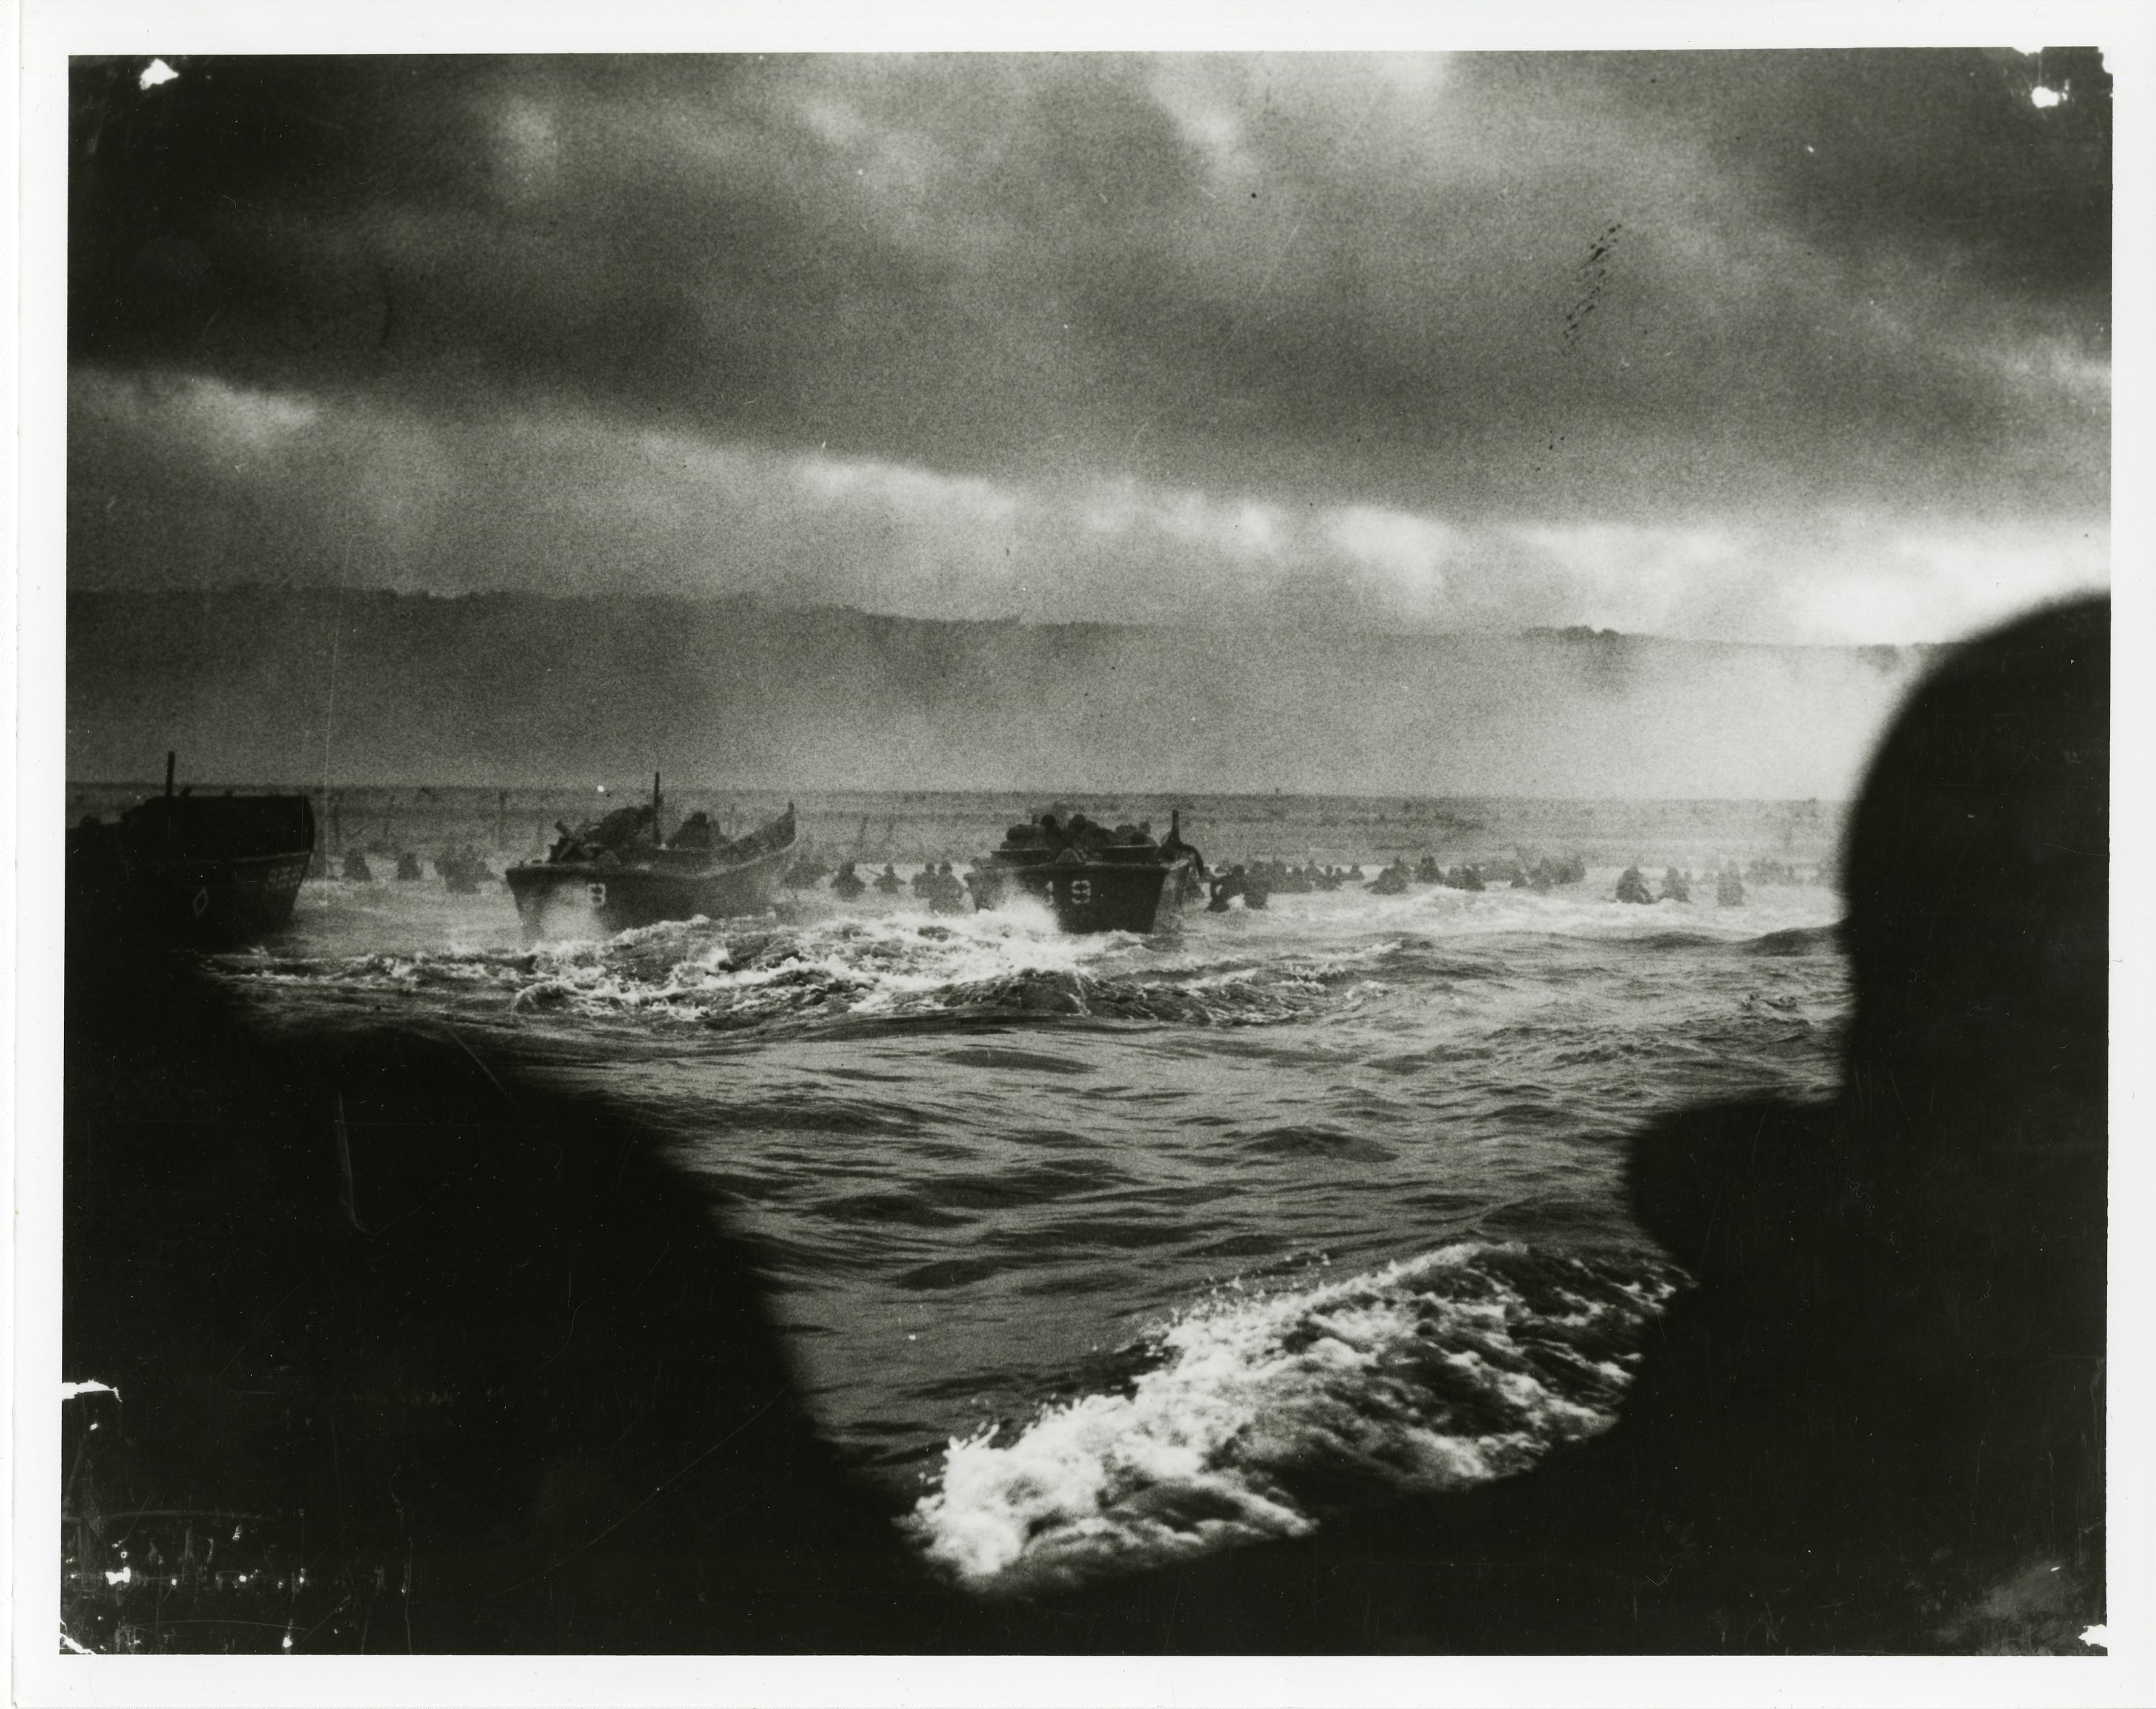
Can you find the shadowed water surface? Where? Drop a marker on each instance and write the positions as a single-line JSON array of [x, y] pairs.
[[1095, 1251]]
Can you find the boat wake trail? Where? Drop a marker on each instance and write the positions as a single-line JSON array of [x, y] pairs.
[[1256, 1415]]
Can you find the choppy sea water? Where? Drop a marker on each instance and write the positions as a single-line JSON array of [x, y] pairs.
[[1094, 1251]]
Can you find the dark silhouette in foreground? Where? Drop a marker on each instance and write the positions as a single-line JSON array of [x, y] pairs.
[[1875, 1424], [391, 1304]]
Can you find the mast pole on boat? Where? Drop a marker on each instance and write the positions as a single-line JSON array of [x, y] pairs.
[[170, 758], [658, 838]]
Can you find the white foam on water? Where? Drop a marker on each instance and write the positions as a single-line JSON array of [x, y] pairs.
[[872, 963], [817, 960], [1426, 1374], [874, 960], [1588, 909]]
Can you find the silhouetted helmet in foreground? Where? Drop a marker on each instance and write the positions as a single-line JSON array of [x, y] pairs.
[[1977, 872]]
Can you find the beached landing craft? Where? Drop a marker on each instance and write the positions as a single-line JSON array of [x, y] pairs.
[[621, 872], [1094, 879], [208, 871]]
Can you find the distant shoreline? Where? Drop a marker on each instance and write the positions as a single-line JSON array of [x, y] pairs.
[[309, 686], [1047, 793]]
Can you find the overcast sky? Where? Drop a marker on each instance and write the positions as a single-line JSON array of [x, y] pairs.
[[1770, 347]]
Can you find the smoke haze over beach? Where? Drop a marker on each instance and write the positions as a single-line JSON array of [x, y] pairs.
[[1771, 348], [509, 689]]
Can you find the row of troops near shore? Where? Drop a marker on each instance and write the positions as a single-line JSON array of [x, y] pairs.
[[1062, 834], [1255, 882]]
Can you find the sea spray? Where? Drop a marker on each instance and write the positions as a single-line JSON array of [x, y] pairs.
[[1448, 1369], [750, 973]]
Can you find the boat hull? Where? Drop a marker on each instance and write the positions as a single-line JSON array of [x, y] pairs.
[[572, 898], [204, 904], [204, 873], [551, 900], [1101, 896]]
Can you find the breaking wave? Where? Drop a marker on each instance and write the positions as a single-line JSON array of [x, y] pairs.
[[1306, 957], [738, 974], [1465, 1364]]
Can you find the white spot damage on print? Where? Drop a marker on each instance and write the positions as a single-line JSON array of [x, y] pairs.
[[155, 73], [69, 1391]]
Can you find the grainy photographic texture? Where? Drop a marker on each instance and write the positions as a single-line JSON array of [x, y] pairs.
[[1087, 853]]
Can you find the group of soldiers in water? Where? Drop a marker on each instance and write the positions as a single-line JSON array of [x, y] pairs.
[[1541, 876], [1632, 884], [1064, 835], [461, 867], [935, 883], [1254, 883], [1059, 835]]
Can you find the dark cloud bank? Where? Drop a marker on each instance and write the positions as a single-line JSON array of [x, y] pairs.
[[1764, 347]]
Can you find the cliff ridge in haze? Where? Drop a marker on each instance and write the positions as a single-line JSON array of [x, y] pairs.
[[293, 684]]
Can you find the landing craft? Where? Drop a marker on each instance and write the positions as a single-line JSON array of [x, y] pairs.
[[1093, 879], [621, 872], [209, 872]]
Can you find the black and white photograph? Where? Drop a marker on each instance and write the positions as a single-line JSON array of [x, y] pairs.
[[1086, 851]]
